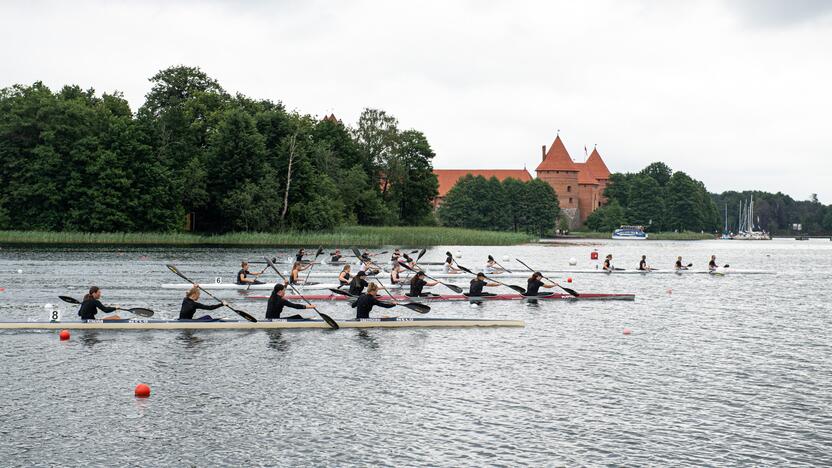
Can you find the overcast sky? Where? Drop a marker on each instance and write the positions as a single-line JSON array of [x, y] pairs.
[[737, 94]]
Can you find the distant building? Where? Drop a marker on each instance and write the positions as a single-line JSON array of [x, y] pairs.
[[580, 186], [449, 177]]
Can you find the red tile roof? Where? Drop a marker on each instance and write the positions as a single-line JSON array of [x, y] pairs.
[[557, 158], [597, 166], [585, 175], [449, 177]]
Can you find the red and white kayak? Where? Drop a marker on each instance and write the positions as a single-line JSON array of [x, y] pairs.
[[463, 297]]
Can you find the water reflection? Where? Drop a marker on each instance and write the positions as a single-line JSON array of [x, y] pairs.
[[367, 340], [276, 341], [90, 338], [189, 339]]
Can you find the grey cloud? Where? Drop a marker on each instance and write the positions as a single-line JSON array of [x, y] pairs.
[[781, 12]]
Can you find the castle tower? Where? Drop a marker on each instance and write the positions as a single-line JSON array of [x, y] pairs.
[[558, 170], [600, 171], [588, 192]]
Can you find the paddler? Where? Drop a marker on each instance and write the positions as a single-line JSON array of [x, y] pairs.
[[477, 284], [345, 276], [449, 264], [190, 305], [277, 302], [608, 263], [396, 255], [297, 267], [712, 266], [534, 284], [335, 256], [678, 266], [417, 283], [642, 265], [299, 256], [492, 267], [92, 304], [365, 303], [366, 265], [243, 275], [358, 284], [395, 270]]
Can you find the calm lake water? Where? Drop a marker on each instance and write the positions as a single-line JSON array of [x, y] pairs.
[[728, 370]]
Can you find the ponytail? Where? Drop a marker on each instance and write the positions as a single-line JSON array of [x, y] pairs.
[[93, 290]]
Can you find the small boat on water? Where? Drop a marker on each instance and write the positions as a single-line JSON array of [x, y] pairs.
[[135, 324], [629, 233], [465, 297]]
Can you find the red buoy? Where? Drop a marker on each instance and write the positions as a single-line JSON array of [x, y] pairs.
[[142, 391], [64, 335], [569, 280], [627, 331], [593, 255]]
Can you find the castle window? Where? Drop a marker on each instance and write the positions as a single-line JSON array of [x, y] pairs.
[[568, 188], [570, 199]]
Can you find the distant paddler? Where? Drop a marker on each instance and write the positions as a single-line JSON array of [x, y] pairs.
[[477, 284], [534, 284], [92, 304], [297, 267], [491, 266], [449, 264], [395, 271], [277, 302], [395, 256], [358, 284], [679, 266], [364, 304], [335, 256], [608, 264], [246, 277], [417, 283], [643, 266], [712, 266], [367, 264], [345, 275], [190, 305], [299, 256]]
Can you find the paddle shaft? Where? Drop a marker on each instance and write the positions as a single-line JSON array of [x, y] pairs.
[[325, 317], [568, 290], [241, 313]]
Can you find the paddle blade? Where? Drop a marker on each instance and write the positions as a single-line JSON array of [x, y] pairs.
[[141, 311], [421, 254], [71, 300], [332, 323], [319, 252], [464, 269], [405, 265], [522, 263], [243, 314], [340, 293], [453, 288], [690, 265], [517, 288], [727, 266], [356, 252], [177, 272], [570, 291], [415, 306]]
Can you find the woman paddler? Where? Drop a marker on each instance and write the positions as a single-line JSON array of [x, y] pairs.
[[712, 266], [91, 305], [608, 263], [299, 256], [365, 303], [345, 276], [477, 284], [335, 256], [190, 305], [492, 267], [642, 265], [417, 283], [534, 284], [277, 302], [395, 270], [678, 266], [297, 267], [358, 284], [243, 275], [449, 264]]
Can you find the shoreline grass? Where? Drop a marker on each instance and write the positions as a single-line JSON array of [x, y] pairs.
[[685, 235], [360, 236]]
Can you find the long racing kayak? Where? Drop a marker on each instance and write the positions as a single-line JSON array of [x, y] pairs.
[[465, 297], [398, 322]]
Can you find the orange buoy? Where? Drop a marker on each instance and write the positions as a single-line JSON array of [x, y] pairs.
[[64, 335], [142, 390], [627, 331]]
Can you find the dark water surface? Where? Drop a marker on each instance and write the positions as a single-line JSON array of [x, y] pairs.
[[717, 371]]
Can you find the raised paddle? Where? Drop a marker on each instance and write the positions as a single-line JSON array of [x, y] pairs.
[[239, 312], [498, 264], [414, 306], [261, 272], [452, 287], [568, 290], [332, 323], [340, 292], [516, 288], [140, 311], [317, 254]]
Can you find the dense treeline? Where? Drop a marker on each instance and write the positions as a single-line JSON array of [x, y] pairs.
[[776, 212], [511, 205], [663, 200], [71, 160], [658, 199]]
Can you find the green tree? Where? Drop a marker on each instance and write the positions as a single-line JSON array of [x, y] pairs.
[[658, 171], [645, 207]]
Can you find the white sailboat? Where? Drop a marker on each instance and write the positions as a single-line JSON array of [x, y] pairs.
[[747, 229]]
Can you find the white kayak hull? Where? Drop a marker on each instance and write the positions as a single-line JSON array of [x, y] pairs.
[[399, 322]]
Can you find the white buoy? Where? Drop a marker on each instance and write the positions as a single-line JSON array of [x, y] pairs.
[[573, 261], [19, 272], [290, 260], [458, 254], [506, 258], [47, 306]]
